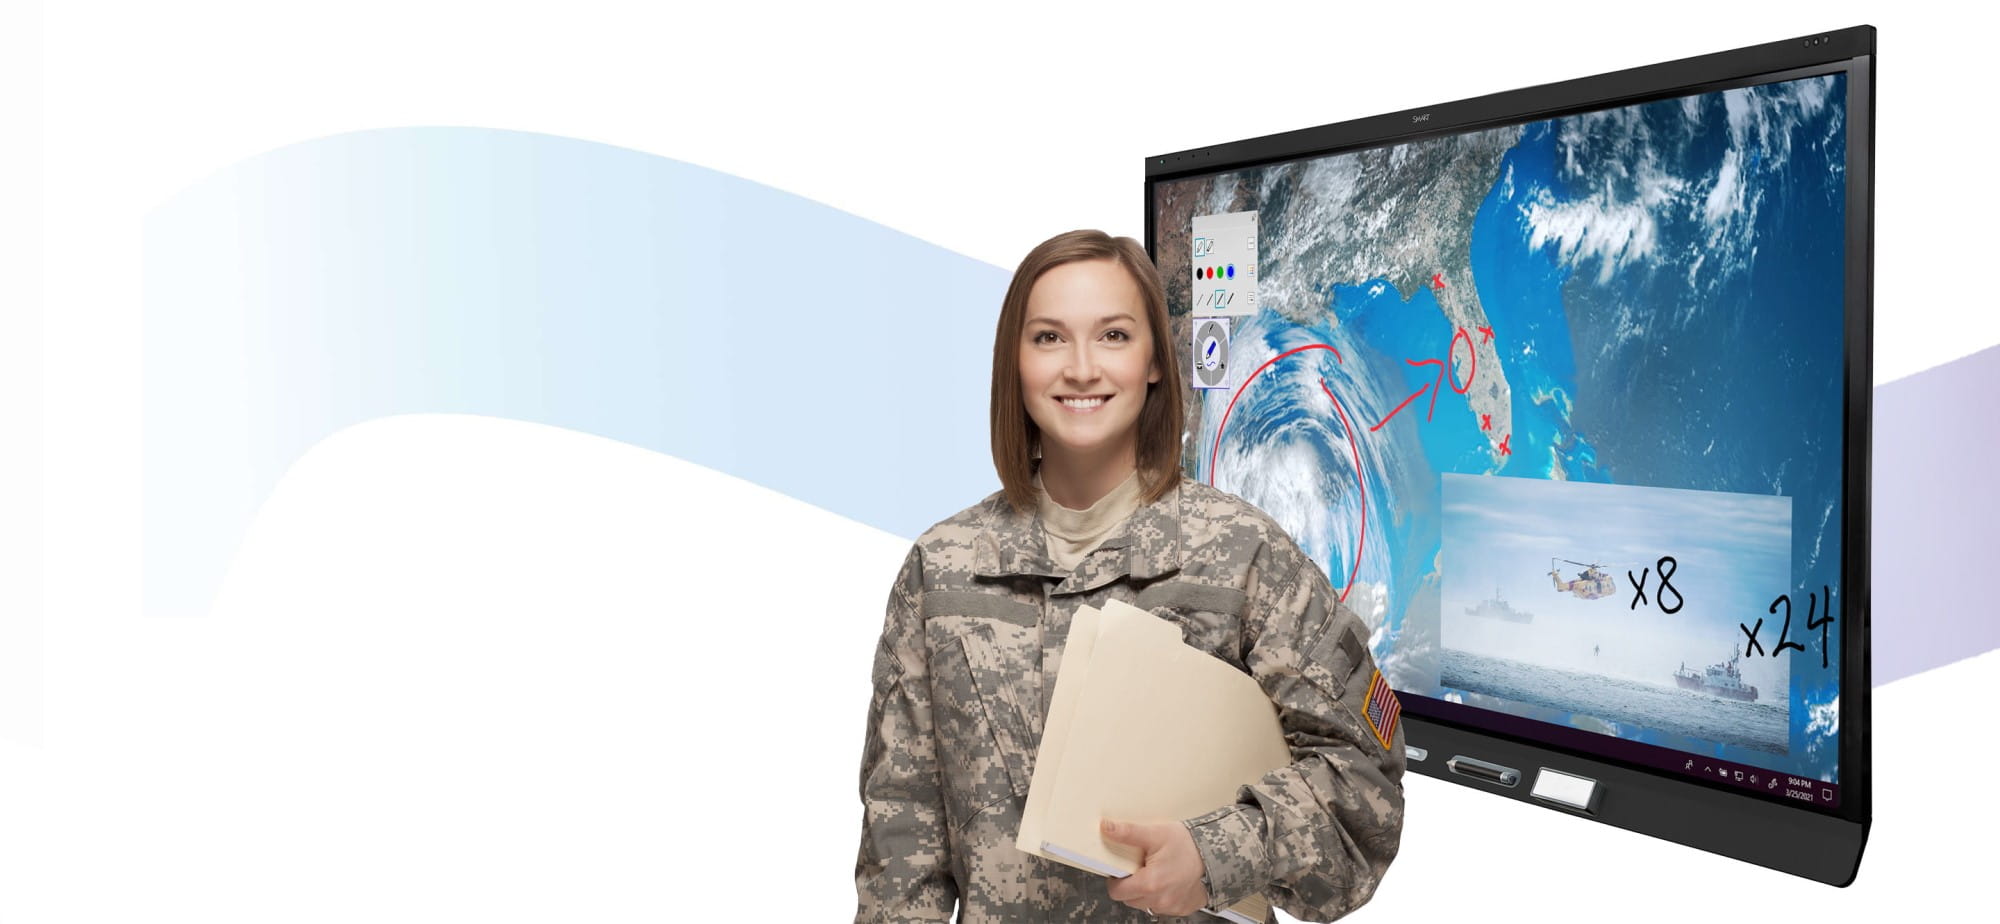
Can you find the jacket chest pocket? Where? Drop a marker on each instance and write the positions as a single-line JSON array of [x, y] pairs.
[[1210, 617], [983, 671]]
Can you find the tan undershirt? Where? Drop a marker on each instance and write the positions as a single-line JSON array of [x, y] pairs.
[[1074, 533]]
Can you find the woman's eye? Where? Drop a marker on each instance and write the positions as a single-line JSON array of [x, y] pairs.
[[1046, 333], [1121, 334]]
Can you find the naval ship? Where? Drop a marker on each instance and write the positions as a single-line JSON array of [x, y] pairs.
[[1719, 680], [1498, 608]]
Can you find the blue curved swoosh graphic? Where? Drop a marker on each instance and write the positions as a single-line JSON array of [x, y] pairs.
[[552, 280]]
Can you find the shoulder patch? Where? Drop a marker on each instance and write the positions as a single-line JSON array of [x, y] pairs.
[[1382, 711]]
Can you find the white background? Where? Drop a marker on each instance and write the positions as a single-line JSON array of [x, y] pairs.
[[432, 696]]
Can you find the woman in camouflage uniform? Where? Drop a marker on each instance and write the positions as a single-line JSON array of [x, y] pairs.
[[1084, 370]]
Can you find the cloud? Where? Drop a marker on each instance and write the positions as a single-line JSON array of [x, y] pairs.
[[1633, 201], [1602, 228]]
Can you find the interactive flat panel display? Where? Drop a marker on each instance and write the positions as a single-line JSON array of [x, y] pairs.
[[1559, 387]]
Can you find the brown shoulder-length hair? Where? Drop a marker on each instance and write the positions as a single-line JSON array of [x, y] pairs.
[[1016, 435]]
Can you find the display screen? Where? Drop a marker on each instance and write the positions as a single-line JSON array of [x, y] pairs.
[[1558, 406]]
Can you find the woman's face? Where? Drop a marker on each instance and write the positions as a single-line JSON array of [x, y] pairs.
[[1086, 358]]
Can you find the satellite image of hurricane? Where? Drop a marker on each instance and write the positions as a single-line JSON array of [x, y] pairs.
[[1648, 295]]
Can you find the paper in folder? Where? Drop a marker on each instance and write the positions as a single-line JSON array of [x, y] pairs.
[[1143, 727]]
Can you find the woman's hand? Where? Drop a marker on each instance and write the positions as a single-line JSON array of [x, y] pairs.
[[1168, 880]]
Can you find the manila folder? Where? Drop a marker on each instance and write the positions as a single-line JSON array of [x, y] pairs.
[[1142, 727]]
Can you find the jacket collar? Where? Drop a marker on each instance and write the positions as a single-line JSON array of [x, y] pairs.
[[1148, 546]]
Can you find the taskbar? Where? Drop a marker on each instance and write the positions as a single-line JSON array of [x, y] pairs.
[[1763, 781], [1748, 779]]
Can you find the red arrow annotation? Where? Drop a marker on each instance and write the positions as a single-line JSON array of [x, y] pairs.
[[1437, 385], [1472, 371]]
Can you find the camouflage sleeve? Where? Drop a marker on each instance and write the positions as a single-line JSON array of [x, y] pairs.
[[903, 871], [1314, 837]]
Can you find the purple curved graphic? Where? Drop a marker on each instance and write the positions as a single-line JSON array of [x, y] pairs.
[[1935, 500]]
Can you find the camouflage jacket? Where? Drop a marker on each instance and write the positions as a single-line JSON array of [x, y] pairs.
[[962, 677]]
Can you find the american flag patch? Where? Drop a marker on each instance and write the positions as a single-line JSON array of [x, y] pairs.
[[1383, 710]]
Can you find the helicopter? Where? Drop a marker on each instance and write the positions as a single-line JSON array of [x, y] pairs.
[[1590, 584]]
